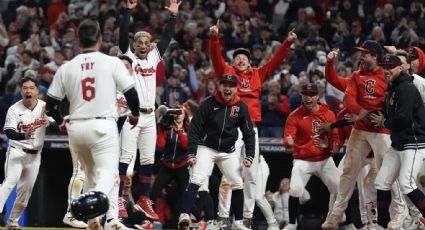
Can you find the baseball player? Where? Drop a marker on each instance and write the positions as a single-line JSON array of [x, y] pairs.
[[404, 115], [75, 187], [90, 81], [311, 150], [25, 126], [365, 93], [263, 173], [145, 57], [250, 81], [123, 112], [212, 136], [367, 192]]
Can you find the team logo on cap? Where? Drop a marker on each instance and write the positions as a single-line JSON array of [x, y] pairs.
[[387, 58]]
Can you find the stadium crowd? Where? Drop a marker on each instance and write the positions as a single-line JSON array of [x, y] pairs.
[[37, 37]]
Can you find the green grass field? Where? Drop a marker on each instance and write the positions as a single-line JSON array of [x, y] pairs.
[[51, 228]]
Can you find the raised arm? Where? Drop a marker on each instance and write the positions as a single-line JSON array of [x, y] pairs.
[[124, 43], [217, 59], [168, 32], [267, 70], [330, 74]]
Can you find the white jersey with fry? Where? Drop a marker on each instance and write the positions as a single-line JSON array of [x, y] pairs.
[[90, 82], [145, 72], [21, 119]]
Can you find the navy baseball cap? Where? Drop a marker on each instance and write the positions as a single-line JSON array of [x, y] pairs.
[[229, 78], [390, 61], [309, 88], [372, 47], [243, 51]]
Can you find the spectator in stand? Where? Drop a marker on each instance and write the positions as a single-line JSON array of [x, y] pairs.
[[54, 10], [62, 24], [274, 110], [173, 94], [417, 60], [333, 102], [354, 39]]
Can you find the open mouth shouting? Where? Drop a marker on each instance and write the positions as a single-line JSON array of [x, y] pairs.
[[227, 94]]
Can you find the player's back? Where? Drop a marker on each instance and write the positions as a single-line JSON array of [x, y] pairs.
[[90, 82]]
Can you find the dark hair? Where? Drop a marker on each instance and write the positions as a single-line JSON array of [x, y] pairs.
[[88, 32], [25, 79], [28, 52], [125, 57]]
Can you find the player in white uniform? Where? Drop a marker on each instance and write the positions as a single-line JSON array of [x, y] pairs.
[[90, 81], [74, 190], [25, 126], [145, 60], [123, 112]]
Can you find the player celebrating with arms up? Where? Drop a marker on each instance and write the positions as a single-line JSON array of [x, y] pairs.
[[250, 81], [25, 126], [311, 151], [145, 57], [90, 82]]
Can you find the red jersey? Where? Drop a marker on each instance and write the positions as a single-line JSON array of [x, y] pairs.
[[250, 80], [366, 90], [333, 78], [302, 126]]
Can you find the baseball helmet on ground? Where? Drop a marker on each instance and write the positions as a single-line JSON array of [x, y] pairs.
[[90, 205]]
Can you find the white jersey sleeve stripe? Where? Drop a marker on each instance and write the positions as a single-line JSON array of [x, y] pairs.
[[128, 88]]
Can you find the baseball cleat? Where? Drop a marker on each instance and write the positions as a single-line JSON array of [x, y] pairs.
[[68, 219], [238, 225], [331, 222], [184, 221], [397, 221], [94, 224], [146, 225], [12, 225], [114, 224], [273, 226], [144, 204]]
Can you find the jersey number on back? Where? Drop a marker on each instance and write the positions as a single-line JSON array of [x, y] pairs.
[[87, 85]]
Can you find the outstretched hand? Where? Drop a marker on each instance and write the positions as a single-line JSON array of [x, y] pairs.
[[174, 7], [131, 4], [292, 36], [215, 28], [333, 54]]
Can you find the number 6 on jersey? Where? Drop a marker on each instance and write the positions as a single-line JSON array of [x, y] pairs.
[[87, 86]]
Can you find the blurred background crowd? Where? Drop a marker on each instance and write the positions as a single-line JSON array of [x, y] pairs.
[[37, 36]]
